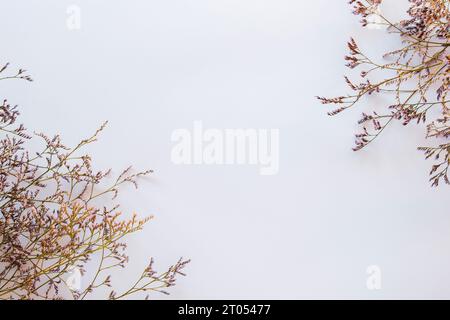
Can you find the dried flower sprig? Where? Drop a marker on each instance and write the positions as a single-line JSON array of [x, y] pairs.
[[417, 77], [49, 223]]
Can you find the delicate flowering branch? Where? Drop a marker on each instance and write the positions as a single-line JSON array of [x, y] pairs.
[[416, 76], [49, 223]]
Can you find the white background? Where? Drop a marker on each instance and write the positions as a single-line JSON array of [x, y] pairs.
[[151, 67]]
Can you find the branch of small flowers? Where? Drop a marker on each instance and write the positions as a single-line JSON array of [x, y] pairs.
[[166, 279], [422, 35], [41, 237]]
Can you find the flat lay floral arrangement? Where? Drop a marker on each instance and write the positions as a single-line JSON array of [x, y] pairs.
[[415, 77], [59, 220]]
